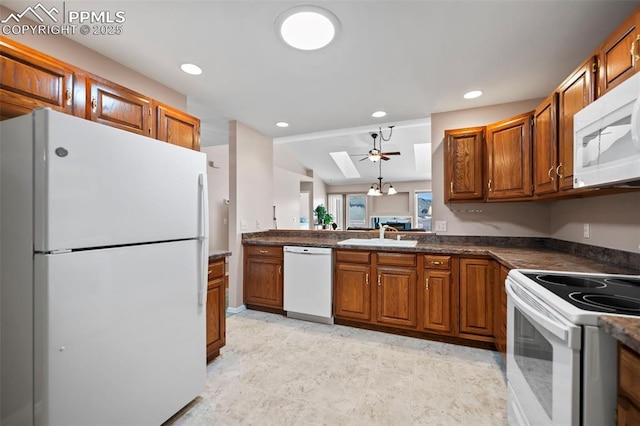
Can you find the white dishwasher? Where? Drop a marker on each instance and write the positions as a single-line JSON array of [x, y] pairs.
[[308, 288]]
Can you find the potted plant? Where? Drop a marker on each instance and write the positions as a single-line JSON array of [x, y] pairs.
[[324, 218]]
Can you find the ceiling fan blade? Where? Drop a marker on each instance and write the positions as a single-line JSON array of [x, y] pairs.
[[365, 158], [391, 153], [385, 158]]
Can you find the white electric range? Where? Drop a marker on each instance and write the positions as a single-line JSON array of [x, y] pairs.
[[561, 366]]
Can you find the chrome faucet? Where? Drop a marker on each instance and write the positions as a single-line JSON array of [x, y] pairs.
[[382, 228]]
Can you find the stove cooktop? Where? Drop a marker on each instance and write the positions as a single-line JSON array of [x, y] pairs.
[[609, 294]]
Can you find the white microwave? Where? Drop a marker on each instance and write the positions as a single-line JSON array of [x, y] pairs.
[[606, 148]]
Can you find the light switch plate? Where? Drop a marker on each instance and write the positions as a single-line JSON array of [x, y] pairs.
[[441, 225], [243, 225], [586, 231]]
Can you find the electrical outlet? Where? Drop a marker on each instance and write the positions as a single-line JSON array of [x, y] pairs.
[[243, 225], [586, 231], [441, 225]]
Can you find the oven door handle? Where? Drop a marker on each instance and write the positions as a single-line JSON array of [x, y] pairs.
[[561, 329]]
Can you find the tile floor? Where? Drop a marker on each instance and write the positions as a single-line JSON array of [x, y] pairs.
[[280, 371]]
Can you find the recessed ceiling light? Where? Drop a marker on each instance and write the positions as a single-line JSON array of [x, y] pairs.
[[473, 94], [379, 114], [307, 27], [191, 69], [282, 124]]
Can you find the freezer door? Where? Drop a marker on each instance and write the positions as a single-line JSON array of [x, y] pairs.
[[97, 186], [119, 334]]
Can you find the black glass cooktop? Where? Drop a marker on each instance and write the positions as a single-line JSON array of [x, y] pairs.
[[611, 295]]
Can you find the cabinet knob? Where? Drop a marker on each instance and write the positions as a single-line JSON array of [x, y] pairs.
[[69, 96], [94, 104]]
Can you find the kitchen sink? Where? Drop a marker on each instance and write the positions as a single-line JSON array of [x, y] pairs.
[[377, 242]]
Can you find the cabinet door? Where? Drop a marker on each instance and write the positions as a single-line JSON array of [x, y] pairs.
[[29, 80], [177, 128], [619, 55], [476, 297], [573, 95], [501, 312], [397, 297], [119, 107], [216, 308], [545, 142], [263, 281], [464, 164], [437, 301], [628, 414], [509, 158], [352, 291]]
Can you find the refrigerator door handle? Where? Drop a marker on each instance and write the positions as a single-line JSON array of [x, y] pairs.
[[202, 188]]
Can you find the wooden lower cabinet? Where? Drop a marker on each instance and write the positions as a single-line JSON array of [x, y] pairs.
[[397, 296], [628, 386], [262, 281], [476, 298], [352, 285], [439, 295], [216, 308], [501, 312]]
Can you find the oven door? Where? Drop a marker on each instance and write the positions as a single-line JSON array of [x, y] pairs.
[[543, 362]]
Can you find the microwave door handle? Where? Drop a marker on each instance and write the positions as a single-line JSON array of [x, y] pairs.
[[560, 330]]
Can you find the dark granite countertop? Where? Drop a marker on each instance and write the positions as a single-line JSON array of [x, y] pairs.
[[521, 256], [625, 329], [218, 254]]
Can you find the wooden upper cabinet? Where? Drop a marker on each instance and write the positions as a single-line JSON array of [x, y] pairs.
[[464, 164], [117, 106], [575, 93], [177, 127], [509, 158], [545, 143], [30, 80], [619, 55]]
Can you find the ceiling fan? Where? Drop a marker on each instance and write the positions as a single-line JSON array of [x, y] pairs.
[[376, 154]]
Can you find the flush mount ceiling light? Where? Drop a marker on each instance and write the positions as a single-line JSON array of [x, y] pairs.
[[307, 27], [282, 124], [379, 114], [191, 69], [473, 94]]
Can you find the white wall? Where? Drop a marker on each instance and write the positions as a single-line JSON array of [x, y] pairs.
[[526, 219], [218, 183], [250, 193], [614, 221], [286, 197]]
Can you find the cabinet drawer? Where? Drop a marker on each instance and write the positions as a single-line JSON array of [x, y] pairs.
[[397, 259], [437, 262], [349, 256], [628, 374], [216, 269], [271, 251]]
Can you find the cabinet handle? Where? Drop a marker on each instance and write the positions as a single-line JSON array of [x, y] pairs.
[[69, 96], [94, 104], [636, 52], [549, 173], [437, 262], [489, 185], [279, 270], [633, 52], [379, 278], [451, 186], [264, 251], [366, 279], [149, 130], [558, 170]]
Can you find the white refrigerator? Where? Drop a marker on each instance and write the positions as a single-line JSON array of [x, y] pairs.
[[103, 252]]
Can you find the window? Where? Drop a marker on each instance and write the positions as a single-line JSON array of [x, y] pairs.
[[335, 207], [423, 210], [356, 211]]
